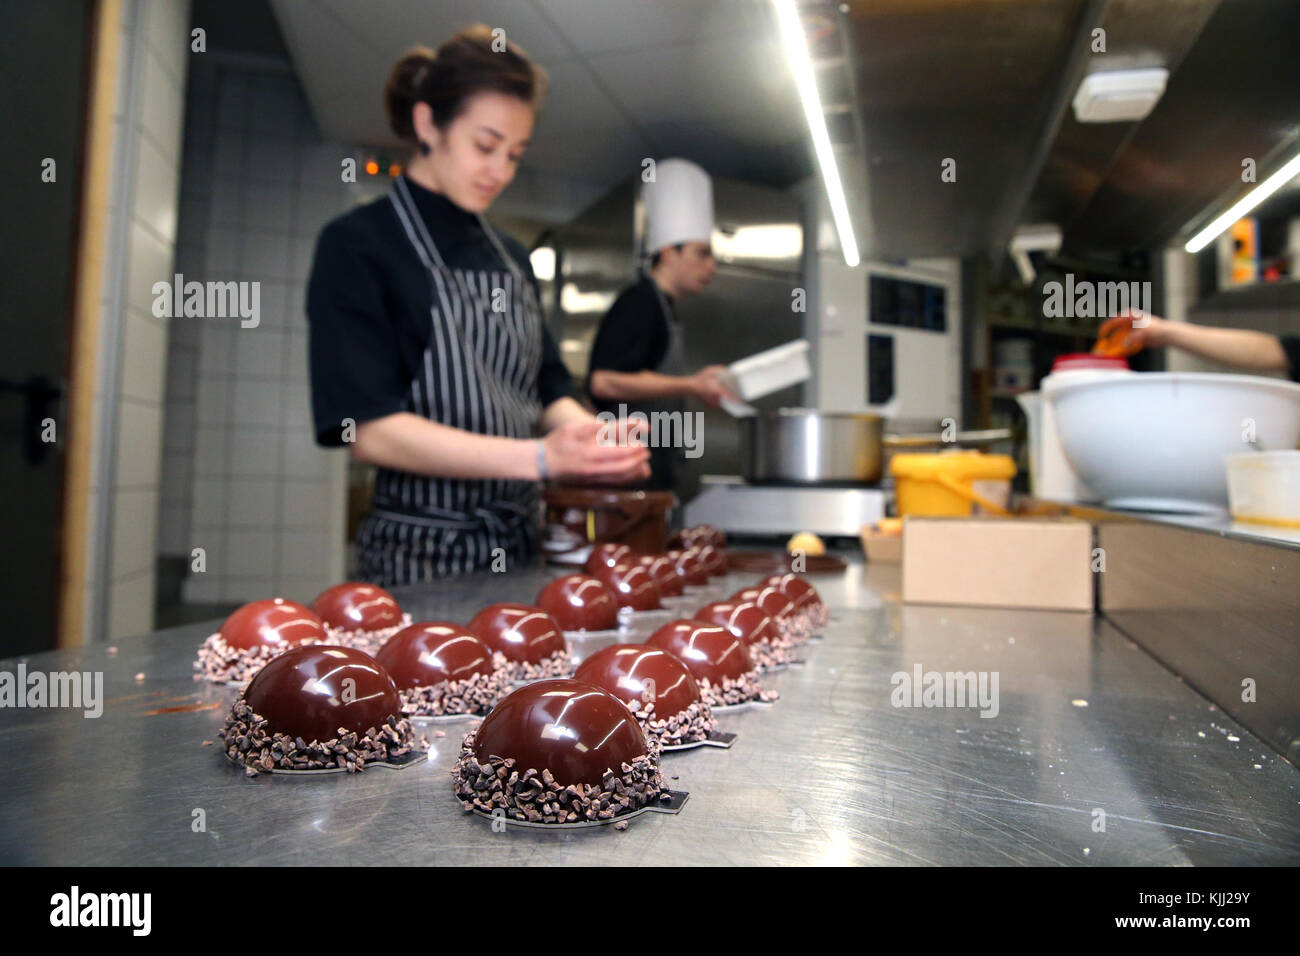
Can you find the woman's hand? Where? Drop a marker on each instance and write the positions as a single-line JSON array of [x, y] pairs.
[[1130, 332], [587, 452]]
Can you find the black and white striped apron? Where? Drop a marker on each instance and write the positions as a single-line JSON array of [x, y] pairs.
[[479, 373]]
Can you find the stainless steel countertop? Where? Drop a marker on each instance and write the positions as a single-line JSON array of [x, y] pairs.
[[830, 773]]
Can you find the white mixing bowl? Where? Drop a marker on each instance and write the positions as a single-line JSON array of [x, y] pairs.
[[1157, 441]]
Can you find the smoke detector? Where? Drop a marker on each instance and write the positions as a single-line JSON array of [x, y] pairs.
[[1119, 96]]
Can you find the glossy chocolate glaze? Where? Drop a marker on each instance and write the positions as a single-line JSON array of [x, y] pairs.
[[664, 571], [714, 561], [573, 729], [646, 674], [579, 602], [520, 632], [777, 605], [431, 652], [688, 566], [797, 589], [709, 651], [273, 621], [607, 555], [303, 692], [632, 585], [745, 619], [356, 606]]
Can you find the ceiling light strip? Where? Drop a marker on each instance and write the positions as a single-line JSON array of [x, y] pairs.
[[796, 51], [1245, 204]]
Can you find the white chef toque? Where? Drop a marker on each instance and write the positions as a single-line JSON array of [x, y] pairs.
[[678, 205]]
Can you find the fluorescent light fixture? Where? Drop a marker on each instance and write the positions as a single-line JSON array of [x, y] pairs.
[[1245, 204], [768, 241], [796, 52], [542, 260]]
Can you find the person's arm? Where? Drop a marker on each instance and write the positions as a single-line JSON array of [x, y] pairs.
[[1241, 348], [704, 385], [573, 451]]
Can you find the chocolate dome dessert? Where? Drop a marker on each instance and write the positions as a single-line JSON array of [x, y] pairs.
[[253, 635], [754, 627], [580, 602], [317, 707], [664, 571], [558, 751], [780, 608], [807, 602], [359, 615], [656, 687], [716, 658], [632, 585], [442, 669], [608, 554], [688, 567], [525, 641], [714, 561]]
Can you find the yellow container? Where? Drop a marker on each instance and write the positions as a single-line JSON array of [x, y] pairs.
[[952, 483]]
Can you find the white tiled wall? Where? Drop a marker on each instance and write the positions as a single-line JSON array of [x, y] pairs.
[[134, 344], [243, 478]]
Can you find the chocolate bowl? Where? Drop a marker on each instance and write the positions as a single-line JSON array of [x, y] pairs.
[[318, 707], [716, 658], [632, 585], [558, 751], [749, 622], [664, 571], [441, 669], [253, 635], [579, 602], [656, 687], [525, 641], [360, 615], [609, 554]]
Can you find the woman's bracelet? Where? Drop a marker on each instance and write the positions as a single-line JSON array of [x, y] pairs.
[[542, 474]]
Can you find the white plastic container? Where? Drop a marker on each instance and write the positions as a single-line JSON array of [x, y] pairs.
[[1157, 441], [1050, 474], [1264, 487], [770, 371]]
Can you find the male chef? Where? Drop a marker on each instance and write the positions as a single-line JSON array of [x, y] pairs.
[[637, 359]]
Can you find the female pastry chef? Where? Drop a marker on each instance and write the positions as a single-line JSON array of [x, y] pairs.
[[428, 352]]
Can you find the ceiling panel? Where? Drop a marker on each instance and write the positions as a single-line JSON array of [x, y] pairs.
[[599, 27]]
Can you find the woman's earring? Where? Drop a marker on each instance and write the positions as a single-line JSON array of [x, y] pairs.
[[425, 148]]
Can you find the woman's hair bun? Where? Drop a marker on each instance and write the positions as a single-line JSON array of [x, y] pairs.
[[476, 60], [402, 91]]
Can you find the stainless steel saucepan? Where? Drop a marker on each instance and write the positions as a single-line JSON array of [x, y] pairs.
[[803, 446]]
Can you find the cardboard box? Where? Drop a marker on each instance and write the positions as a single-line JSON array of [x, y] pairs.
[[1035, 563], [881, 548]]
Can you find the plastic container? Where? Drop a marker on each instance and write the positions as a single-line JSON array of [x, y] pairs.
[[958, 483], [1050, 474], [1264, 487], [579, 518], [771, 371], [1157, 441]]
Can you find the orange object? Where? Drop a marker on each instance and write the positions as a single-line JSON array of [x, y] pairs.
[[1115, 338]]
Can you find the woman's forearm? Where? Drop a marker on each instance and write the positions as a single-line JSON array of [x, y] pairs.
[[1243, 348], [407, 442]]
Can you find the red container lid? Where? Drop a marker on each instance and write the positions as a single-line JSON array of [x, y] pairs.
[[1074, 361]]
